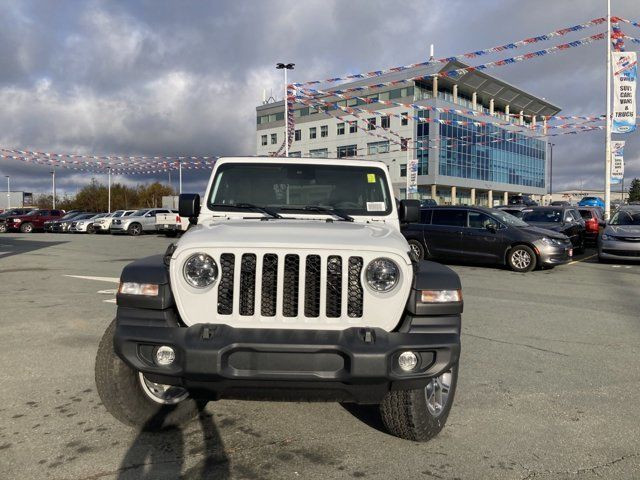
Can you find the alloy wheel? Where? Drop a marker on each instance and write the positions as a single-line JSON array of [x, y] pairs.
[[437, 393], [161, 393], [521, 259]]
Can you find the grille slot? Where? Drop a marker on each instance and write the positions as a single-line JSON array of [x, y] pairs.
[[290, 285], [247, 284], [269, 285], [334, 287], [312, 286], [355, 292], [225, 288]]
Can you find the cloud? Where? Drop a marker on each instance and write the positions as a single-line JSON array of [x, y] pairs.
[[152, 78]]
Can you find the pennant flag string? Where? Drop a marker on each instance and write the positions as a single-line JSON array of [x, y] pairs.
[[465, 56]]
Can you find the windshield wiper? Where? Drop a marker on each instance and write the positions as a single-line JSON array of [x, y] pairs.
[[249, 206], [316, 208]]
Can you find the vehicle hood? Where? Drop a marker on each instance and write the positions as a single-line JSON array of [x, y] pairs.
[[538, 231], [623, 230], [556, 227], [296, 234]]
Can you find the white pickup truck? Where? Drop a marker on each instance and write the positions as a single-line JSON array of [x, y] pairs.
[[171, 224]]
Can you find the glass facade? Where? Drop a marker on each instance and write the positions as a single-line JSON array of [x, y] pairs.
[[422, 143], [469, 151]]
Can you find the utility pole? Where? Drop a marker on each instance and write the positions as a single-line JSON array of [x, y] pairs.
[[180, 177], [8, 191], [285, 67], [607, 160], [53, 188]]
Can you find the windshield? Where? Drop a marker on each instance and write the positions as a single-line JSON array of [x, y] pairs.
[[508, 219], [69, 215], [140, 213], [543, 215], [626, 218], [32, 212], [117, 213], [279, 187]]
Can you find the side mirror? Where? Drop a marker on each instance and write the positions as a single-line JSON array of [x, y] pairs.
[[409, 211], [492, 227], [189, 206]]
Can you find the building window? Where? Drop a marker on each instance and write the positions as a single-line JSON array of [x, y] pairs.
[[371, 123], [319, 153], [312, 133], [403, 144], [377, 147], [347, 151], [403, 170], [324, 131], [385, 121], [297, 135], [405, 119], [341, 128], [274, 138], [295, 154], [264, 140], [353, 126]]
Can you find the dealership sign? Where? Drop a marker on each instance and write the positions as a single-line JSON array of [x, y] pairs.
[[617, 161], [625, 72]]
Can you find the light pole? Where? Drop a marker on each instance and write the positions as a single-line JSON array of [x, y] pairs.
[[285, 67], [180, 177], [551, 145], [8, 191], [53, 187], [109, 209], [607, 149]]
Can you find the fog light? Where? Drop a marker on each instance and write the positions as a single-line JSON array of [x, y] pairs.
[[407, 361], [165, 355]]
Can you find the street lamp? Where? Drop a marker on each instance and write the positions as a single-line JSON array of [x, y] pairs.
[[8, 191], [285, 67]]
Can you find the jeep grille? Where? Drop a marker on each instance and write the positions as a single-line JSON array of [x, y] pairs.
[[296, 283]]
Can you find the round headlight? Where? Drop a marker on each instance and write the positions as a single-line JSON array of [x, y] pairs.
[[382, 274], [200, 270]]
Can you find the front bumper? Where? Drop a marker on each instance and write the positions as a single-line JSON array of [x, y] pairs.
[[118, 228], [356, 364], [619, 250], [555, 255]]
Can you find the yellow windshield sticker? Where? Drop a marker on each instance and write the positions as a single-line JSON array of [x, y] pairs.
[[371, 177]]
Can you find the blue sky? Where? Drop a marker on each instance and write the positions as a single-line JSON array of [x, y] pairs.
[[160, 77]]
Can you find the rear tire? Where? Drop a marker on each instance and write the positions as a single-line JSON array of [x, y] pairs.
[[581, 247], [410, 415], [417, 248], [26, 228], [171, 233], [134, 229], [120, 390], [3, 227], [521, 258]]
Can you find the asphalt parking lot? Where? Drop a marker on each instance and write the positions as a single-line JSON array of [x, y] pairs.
[[549, 383]]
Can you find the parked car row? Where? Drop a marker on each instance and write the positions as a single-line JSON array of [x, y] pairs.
[[130, 222], [522, 238]]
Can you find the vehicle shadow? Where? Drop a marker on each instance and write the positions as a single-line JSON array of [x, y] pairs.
[[11, 245], [367, 414], [160, 455]]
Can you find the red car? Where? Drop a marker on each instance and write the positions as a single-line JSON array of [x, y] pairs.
[[32, 221]]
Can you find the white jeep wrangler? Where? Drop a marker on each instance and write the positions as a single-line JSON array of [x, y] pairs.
[[295, 284]]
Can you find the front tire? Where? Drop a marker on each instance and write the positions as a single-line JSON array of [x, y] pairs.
[[91, 229], [3, 227], [417, 248], [121, 391], [420, 414], [522, 258], [26, 228], [134, 229]]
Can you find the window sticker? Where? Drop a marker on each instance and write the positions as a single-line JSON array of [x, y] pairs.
[[376, 207], [371, 178]]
